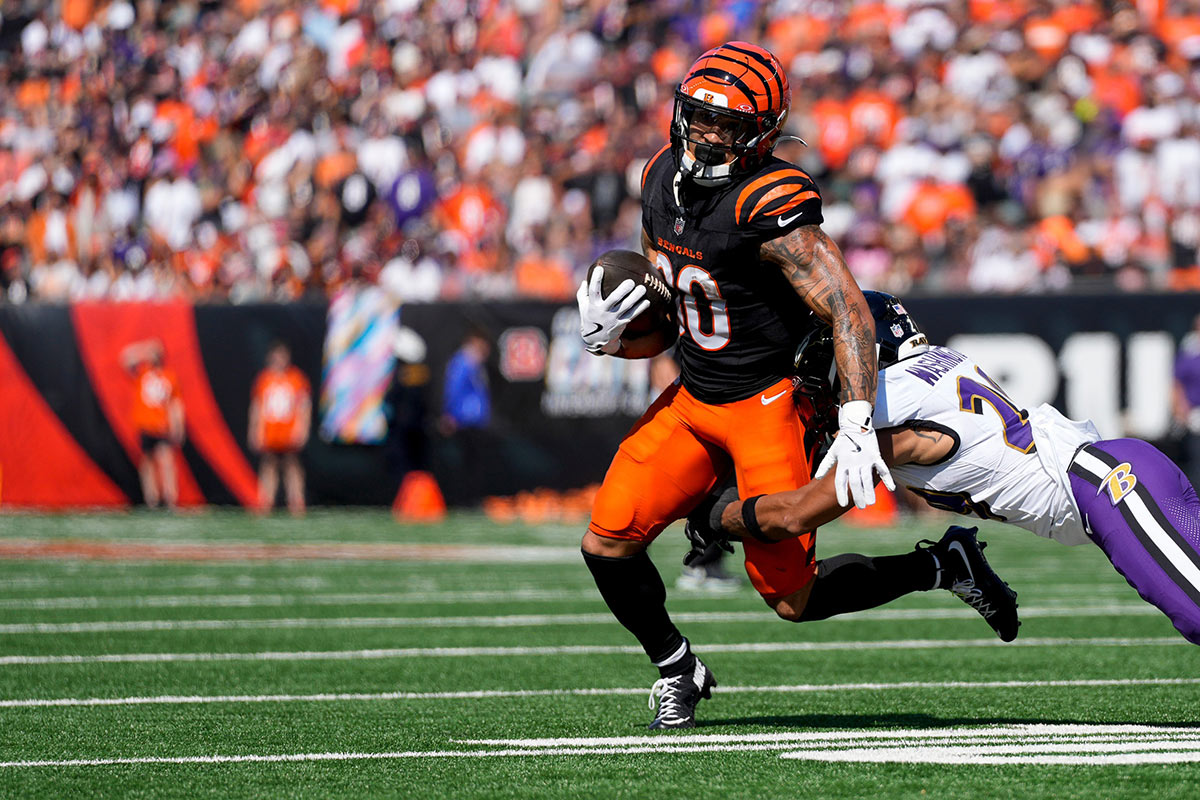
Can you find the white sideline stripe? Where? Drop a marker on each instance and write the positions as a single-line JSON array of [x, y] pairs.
[[1039, 730], [337, 697], [430, 597], [915, 755], [243, 759], [952, 755], [152, 551], [524, 620], [1056, 607], [278, 599], [1061, 743], [466, 652]]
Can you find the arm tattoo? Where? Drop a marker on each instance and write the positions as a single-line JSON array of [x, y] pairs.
[[931, 436], [814, 266]]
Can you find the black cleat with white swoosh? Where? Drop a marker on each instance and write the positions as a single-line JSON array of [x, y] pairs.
[[966, 574]]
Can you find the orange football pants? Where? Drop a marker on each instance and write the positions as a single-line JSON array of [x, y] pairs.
[[681, 447]]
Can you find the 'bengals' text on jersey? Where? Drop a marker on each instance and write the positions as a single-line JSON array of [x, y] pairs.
[[739, 319]]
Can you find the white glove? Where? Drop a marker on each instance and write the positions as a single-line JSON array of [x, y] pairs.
[[855, 451], [602, 320]]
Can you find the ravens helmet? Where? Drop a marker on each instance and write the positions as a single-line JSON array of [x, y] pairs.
[[730, 109], [897, 336]]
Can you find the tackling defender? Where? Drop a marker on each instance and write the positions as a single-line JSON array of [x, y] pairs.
[[735, 231], [955, 439]]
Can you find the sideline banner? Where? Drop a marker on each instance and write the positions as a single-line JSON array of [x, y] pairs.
[[558, 413]]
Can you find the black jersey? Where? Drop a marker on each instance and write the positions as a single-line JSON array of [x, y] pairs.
[[740, 320]]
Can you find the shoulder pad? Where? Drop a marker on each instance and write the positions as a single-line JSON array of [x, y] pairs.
[[650, 164], [778, 201]]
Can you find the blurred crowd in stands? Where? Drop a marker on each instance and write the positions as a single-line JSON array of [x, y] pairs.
[[256, 150]]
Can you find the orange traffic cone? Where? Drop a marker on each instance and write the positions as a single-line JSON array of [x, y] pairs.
[[419, 499]]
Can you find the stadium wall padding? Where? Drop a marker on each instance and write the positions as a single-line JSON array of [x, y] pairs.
[[42, 339], [210, 453], [41, 465], [558, 412]]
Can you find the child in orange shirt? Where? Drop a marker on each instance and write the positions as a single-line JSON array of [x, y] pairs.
[[280, 414]]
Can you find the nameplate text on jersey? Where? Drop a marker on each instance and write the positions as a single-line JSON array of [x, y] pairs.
[[686, 252], [931, 366]]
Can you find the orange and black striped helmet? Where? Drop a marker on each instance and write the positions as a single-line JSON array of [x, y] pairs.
[[740, 91]]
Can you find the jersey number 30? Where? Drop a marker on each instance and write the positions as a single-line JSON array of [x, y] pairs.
[[698, 301]]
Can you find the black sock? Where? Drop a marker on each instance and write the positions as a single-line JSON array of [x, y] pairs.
[[852, 582], [634, 592]]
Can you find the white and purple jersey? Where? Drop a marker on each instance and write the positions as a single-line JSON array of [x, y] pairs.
[[1007, 464], [1050, 475]]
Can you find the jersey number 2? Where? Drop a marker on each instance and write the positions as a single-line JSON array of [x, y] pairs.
[[972, 395], [698, 297]]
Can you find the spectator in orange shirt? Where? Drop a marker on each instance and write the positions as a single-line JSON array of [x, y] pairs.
[[280, 417], [158, 418], [932, 205]]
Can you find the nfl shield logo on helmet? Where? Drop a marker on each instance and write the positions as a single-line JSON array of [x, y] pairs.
[[678, 225], [897, 330]]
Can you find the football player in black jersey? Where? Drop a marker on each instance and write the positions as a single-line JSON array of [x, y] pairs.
[[736, 232]]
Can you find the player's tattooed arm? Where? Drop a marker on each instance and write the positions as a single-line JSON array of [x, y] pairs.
[[917, 442], [814, 266]]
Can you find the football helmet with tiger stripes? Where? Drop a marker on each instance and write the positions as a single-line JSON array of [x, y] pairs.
[[730, 109]]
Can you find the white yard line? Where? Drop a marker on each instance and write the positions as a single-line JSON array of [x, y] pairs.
[[915, 755], [1037, 730], [156, 550], [305, 599], [492, 652], [529, 620], [130, 582], [1070, 596], [339, 697], [955, 756], [1049, 744]]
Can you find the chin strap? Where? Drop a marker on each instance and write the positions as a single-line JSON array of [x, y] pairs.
[[705, 175]]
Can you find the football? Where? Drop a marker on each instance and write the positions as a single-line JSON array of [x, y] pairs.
[[622, 265]]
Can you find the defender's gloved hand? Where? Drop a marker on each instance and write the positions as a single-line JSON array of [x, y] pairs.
[[703, 527], [602, 320], [855, 452]]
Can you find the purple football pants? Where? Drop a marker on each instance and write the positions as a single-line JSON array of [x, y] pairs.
[[1139, 507]]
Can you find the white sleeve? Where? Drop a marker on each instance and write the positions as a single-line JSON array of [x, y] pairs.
[[898, 398]]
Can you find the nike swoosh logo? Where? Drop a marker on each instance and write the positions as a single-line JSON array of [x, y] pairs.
[[594, 330], [785, 221], [957, 546], [766, 401]]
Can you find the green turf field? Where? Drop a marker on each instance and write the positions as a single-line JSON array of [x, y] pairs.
[[485, 665]]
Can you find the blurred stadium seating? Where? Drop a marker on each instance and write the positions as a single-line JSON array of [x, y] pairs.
[[463, 149]]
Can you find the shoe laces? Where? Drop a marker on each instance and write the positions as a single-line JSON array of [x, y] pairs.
[[669, 694], [972, 595]]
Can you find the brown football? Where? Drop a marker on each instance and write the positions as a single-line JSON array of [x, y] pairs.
[[622, 265]]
